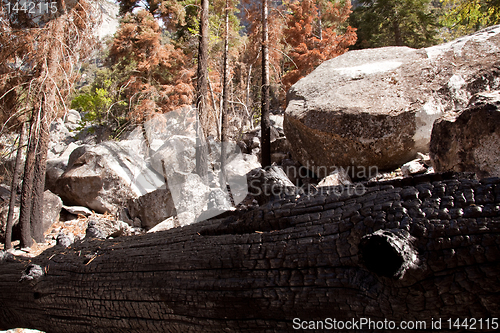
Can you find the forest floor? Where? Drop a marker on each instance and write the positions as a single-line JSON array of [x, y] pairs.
[[76, 226]]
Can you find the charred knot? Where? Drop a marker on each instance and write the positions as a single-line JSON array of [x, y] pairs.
[[388, 252], [32, 272]]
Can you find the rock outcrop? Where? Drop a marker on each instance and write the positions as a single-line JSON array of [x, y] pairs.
[[469, 140], [104, 177], [376, 107]]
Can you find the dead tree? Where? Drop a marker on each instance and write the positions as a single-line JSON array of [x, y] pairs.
[[265, 122], [202, 125], [225, 100], [391, 252], [13, 190]]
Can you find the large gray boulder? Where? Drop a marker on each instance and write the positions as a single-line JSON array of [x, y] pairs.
[[376, 107], [152, 208], [470, 140], [104, 177], [52, 206], [57, 165]]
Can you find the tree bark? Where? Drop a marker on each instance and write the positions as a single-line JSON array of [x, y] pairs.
[[397, 33], [27, 187], [247, 99], [214, 105], [320, 23], [344, 255], [13, 189], [265, 121], [202, 93], [225, 102], [36, 216]]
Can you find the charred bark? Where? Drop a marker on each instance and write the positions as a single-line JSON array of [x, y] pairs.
[[15, 179], [36, 218], [27, 186], [395, 252]]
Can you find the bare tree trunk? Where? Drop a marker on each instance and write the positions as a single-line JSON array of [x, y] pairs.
[[27, 187], [36, 219], [13, 188], [225, 101], [265, 122], [249, 80], [320, 22], [214, 105], [397, 33], [201, 97]]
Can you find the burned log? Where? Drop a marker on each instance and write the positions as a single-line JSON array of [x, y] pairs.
[[394, 252]]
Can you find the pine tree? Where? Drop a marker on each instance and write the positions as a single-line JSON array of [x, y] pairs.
[[463, 17], [13, 190], [265, 122], [252, 57], [158, 80], [313, 35], [395, 23]]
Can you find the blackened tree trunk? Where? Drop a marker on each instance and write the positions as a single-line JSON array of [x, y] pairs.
[[265, 122], [225, 101], [344, 255], [13, 189], [27, 187], [201, 95], [36, 218]]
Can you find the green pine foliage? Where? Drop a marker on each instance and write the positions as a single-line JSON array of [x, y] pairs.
[[462, 17], [412, 23], [103, 101]]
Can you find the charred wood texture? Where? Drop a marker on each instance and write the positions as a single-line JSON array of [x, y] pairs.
[[428, 248]]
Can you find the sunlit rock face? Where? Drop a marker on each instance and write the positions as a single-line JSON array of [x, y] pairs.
[[469, 140], [376, 107]]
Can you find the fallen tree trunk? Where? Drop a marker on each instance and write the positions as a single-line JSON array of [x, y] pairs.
[[423, 252]]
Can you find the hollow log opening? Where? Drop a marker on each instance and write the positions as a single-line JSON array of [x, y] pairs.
[[387, 253]]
